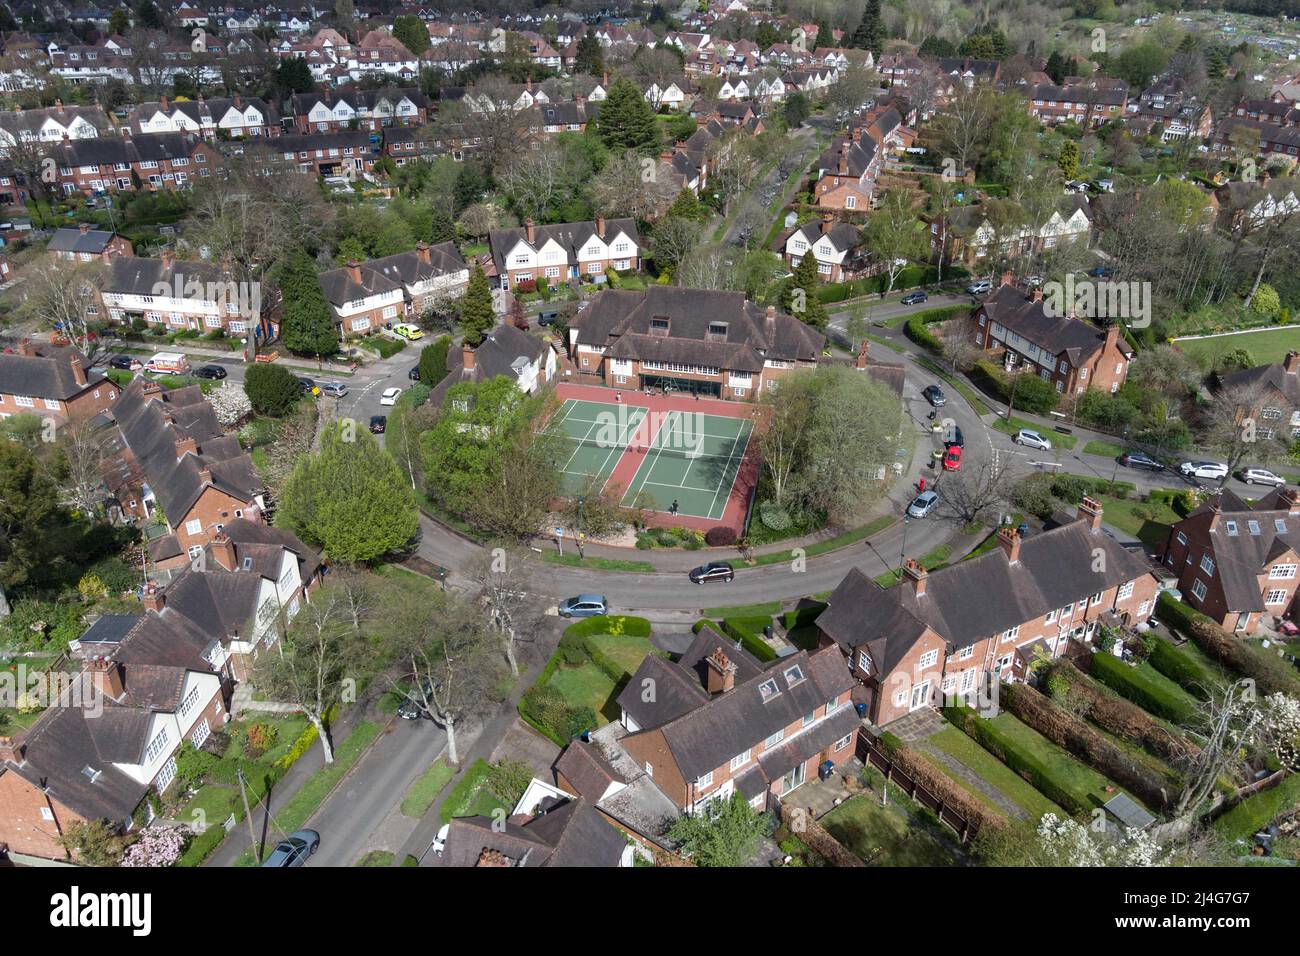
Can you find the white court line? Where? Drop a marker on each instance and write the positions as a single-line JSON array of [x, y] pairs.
[[621, 447], [731, 484], [666, 425], [578, 446]]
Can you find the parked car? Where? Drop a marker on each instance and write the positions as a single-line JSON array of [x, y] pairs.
[[1033, 281], [336, 389], [934, 395], [952, 458], [294, 849], [914, 298], [412, 705], [980, 287], [127, 363], [584, 605], [378, 423], [414, 373], [308, 385], [956, 438], [1032, 439], [1101, 272], [390, 396], [922, 504], [1203, 469], [547, 318], [210, 371], [408, 331], [1261, 476], [1141, 460], [713, 571], [440, 841]]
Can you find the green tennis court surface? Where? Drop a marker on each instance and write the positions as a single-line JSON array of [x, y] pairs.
[[687, 457]]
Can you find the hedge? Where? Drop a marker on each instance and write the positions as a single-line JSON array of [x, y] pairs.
[[749, 631], [1181, 669], [916, 331], [802, 616], [1137, 686], [1256, 812], [1073, 735], [1033, 394], [1022, 762], [953, 794], [1271, 673], [610, 624]]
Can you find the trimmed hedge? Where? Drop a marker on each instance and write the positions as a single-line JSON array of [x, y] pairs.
[[1181, 669], [1139, 688], [749, 631], [916, 331], [610, 624], [720, 536], [1022, 762], [1271, 674], [1033, 394], [1256, 812]]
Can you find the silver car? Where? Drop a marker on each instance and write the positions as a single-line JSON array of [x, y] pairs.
[[1032, 439], [336, 389], [1261, 476], [922, 504]]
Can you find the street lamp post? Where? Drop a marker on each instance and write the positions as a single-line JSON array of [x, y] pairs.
[[902, 554], [1115, 472]]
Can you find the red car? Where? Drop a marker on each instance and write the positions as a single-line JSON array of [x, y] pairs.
[[952, 458]]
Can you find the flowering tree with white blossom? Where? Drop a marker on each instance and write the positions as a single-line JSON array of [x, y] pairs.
[[230, 403], [157, 846], [1069, 843]]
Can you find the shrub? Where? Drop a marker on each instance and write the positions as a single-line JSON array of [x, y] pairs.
[[611, 624], [1181, 669], [272, 389], [1271, 674], [918, 333], [573, 649], [193, 764], [508, 779], [116, 575], [433, 361], [260, 738], [749, 630], [1256, 812], [1033, 394], [1137, 686]]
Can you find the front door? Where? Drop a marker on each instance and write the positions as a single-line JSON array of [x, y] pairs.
[[920, 694]]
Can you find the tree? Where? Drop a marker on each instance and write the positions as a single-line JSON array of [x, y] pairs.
[[433, 361], [869, 35], [80, 465], [477, 315], [1232, 425], [1140, 64], [1057, 67], [895, 236], [672, 240], [445, 653], [412, 33], [119, 22], [307, 324], [57, 295], [977, 494], [796, 109], [93, 842], [799, 297], [723, 834], [512, 612], [630, 185], [272, 389], [1068, 161], [318, 661], [33, 522], [348, 498], [964, 125], [625, 120], [590, 55], [293, 75]]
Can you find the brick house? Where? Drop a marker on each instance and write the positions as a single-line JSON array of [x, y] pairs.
[[721, 722], [52, 382], [126, 163], [694, 340], [363, 300], [966, 235], [563, 251], [835, 246], [848, 171], [1279, 386], [562, 831], [429, 275], [1071, 353], [1236, 563], [1090, 103], [985, 618], [51, 124], [84, 244], [236, 117], [524, 358], [344, 153], [169, 459], [1262, 138]]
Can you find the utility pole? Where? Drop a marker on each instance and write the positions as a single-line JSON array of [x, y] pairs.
[[248, 815]]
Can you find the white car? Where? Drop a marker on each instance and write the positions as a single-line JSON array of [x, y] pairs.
[[1212, 470], [1261, 476], [390, 396], [1032, 439], [440, 841]]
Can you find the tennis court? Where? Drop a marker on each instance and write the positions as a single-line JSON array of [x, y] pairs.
[[655, 457]]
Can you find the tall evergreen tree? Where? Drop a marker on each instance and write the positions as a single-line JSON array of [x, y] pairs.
[[1056, 67], [799, 296], [477, 317], [625, 120], [869, 35], [590, 56], [306, 324]]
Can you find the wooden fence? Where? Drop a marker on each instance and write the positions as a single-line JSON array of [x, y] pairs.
[[872, 755]]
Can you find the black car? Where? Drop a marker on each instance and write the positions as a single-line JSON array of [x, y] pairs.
[[547, 318], [956, 438], [934, 395], [412, 705], [127, 362], [378, 423], [713, 571], [1137, 459], [308, 385], [210, 371], [414, 373], [914, 298]]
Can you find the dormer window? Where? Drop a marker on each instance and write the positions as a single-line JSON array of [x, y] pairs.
[[1253, 526], [793, 675], [768, 689], [718, 330], [660, 325]]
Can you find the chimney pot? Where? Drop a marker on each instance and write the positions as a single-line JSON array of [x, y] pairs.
[[916, 575], [186, 445], [1091, 510], [1009, 542], [721, 672], [467, 351], [223, 551]]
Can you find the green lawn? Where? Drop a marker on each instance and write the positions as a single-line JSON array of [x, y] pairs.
[[1148, 521], [585, 686], [625, 650], [424, 791], [957, 745], [570, 559], [376, 858], [1103, 448], [1009, 426], [471, 797], [1265, 346], [744, 610], [899, 834], [1086, 784], [872, 527]]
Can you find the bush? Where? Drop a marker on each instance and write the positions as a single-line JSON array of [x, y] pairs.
[[433, 361], [1271, 674], [1137, 686], [720, 536], [1181, 669], [1256, 812], [573, 649], [749, 631], [261, 737], [1080, 694], [508, 780], [610, 624], [803, 616], [918, 333], [116, 575], [193, 764], [1033, 394], [272, 389]]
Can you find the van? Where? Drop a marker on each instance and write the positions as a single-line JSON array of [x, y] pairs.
[[169, 363]]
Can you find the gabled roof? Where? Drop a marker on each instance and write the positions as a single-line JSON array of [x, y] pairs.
[[570, 834], [71, 239], [47, 374], [570, 236], [1245, 540], [1059, 335]]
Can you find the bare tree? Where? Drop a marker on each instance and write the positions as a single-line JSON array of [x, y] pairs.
[[1229, 722], [1234, 425], [964, 126], [58, 294], [977, 495], [633, 185], [959, 345], [81, 457], [511, 611]]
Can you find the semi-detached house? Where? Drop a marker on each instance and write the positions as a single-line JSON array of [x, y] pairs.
[[365, 296], [949, 632], [833, 244], [235, 117], [52, 382], [181, 294], [563, 251]]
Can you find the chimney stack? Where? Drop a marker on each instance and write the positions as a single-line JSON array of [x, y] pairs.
[[168, 257], [1216, 510], [354, 271], [84, 227], [185, 446], [422, 253], [11, 749], [720, 672], [862, 353], [1009, 542], [1037, 295], [828, 221], [600, 226], [26, 348], [770, 324], [205, 475], [162, 103], [1292, 362], [1292, 498], [151, 390], [78, 371], [530, 231], [467, 351], [1090, 510], [106, 676], [916, 576], [153, 598], [1008, 278], [223, 551]]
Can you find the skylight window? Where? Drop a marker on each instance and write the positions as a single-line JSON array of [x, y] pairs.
[[1253, 526], [793, 675], [768, 689], [1280, 525], [1232, 528]]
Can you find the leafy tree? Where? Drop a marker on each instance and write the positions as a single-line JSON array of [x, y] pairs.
[[936, 46], [1266, 301], [94, 843], [799, 296], [590, 56], [477, 315], [149, 16], [894, 236], [272, 389], [1139, 63], [687, 205], [796, 109], [1057, 67], [307, 325], [442, 228], [724, 835], [1068, 161], [34, 526], [433, 361], [348, 498], [119, 21], [625, 120], [412, 32]]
